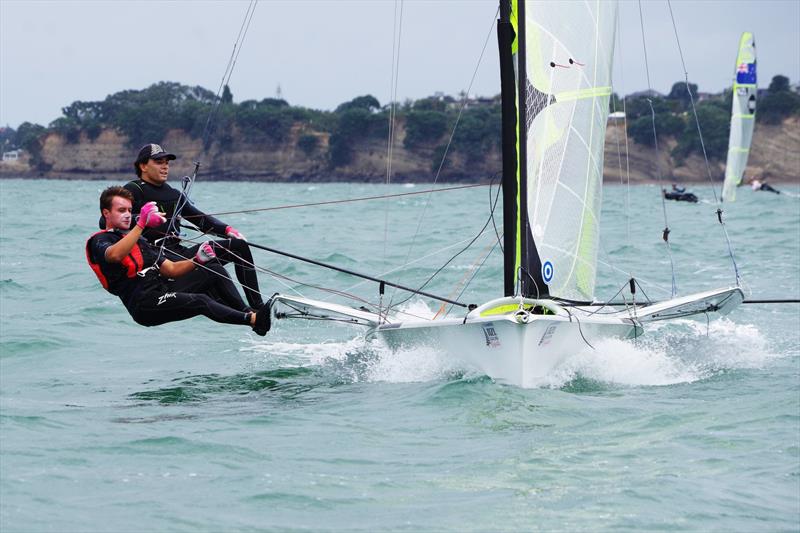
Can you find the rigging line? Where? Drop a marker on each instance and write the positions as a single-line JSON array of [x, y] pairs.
[[497, 233], [491, 214], [345, 292], [450, 140], [186, 185], [646, 297], [627, 172], [280, 277], [619, 162], [188, 181], [353, 273], [344, 201], [382, 274], [607, 303], [226, 76], [780, 301], [580, 330], [625, 132], [261, 269], [717, 200], [665, 234], [397, 28], [470, 271], [474, 274]]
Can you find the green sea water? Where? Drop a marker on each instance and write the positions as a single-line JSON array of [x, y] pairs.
[[109, 426]]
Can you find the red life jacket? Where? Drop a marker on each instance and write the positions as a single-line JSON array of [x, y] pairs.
[[131, 264]]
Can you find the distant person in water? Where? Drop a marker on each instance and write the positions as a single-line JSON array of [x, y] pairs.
[[152, 170], [156, 290], [677, 189], [758, 185]]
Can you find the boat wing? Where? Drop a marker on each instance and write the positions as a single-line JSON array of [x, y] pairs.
[[721, 301], [298, 307]]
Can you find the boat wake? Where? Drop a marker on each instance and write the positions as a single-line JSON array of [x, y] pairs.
[[357, 360], [683, 351]]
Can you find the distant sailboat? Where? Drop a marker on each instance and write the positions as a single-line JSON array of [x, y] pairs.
[[743, 116]]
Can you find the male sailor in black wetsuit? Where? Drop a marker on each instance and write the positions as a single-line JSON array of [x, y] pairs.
[[759, 185], [156, 290], [152, 169]]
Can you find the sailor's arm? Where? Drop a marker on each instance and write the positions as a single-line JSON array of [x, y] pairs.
[[120, 249], [176, 269], [208, 223], [149, 217]]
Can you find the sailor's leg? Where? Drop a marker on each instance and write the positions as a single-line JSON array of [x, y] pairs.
[[211, 279], [237, 251], [156, 308]]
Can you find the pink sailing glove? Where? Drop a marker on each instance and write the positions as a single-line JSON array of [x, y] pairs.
[[231, 232], [149, 216], [204, 254]]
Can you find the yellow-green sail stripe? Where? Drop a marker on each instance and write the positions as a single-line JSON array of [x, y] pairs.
[[592, 92]]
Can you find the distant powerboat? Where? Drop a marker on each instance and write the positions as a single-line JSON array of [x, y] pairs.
[[679, 194]]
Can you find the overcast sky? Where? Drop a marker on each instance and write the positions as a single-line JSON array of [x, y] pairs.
[[323, 53]]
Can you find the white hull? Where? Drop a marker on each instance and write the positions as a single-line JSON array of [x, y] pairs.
[[513, 340], [516, 353]]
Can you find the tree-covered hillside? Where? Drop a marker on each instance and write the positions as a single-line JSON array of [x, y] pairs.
[[147, 115]]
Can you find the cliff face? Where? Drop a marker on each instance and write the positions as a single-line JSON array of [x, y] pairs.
[[775, 154]]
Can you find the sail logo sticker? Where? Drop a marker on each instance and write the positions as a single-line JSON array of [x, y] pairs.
[[490, 333], [547, 272], [548, 334]]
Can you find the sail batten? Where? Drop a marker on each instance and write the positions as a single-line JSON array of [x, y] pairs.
[[743, 114]]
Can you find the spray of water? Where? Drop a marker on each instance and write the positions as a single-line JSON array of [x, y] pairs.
[[682, 351]]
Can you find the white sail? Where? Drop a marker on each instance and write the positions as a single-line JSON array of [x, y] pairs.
[[743, 116], [569, 49]]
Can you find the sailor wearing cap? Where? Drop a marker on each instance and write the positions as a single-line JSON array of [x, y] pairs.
[[152, 171]]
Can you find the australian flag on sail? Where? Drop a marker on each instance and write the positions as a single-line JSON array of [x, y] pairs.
[[746, 73]]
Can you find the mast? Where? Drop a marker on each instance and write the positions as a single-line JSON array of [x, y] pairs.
[[505, 40], [522, 266]]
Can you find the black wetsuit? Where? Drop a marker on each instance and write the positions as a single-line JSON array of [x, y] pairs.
[[769, 188], [227, 250], [153, 300]]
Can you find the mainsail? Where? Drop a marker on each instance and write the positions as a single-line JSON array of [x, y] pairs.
[[560, 53], [743, 116]]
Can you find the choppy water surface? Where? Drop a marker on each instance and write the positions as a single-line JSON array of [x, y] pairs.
[[108, 426]]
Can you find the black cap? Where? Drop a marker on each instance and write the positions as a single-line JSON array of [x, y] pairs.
[[153, 151]]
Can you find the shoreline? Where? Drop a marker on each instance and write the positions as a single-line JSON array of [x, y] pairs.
[[126, 176]]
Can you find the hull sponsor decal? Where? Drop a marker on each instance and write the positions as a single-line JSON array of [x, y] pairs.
[[548, 334], [490, 334]]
